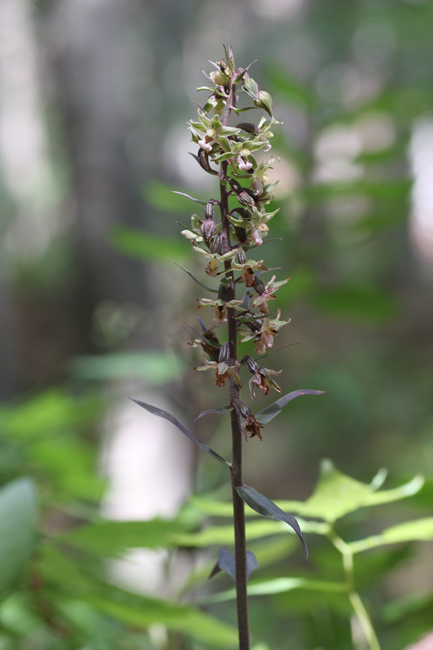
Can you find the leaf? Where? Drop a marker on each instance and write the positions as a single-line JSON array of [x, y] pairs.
[[411, 531], [189, 197], [257, 529], [222, 410], [279, 586], [17, 523], [271, 411], [270, 510], [195, 279], [112, 538], [337, 494], [181, 618], [167, 416], [147, 246], [155, 367], [58, 571], [226, 562]]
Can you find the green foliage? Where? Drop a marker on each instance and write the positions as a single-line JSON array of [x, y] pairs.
[[18, 534]]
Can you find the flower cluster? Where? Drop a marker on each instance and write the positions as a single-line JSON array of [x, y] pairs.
[[236, 153]]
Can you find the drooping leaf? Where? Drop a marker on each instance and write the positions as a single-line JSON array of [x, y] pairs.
[[270, 510], [189, 197], [271, 411], [204, 286], [167, 416], [410, 531], [222, 410], [148, 246], [17, 526], [226, 562]]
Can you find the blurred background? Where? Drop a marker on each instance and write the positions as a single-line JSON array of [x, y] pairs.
[[94, 99]]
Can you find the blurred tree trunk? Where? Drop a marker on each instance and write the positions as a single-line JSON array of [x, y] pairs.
[[91, 50]]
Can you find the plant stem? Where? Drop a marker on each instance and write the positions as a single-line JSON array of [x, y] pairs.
[[236, 464], [355, 600]]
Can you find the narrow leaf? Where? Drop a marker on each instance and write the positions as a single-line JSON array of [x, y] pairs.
[[270, 510], [222, 410], [226, 562], [271, 411], [195, 279], [189, 197], [167, 416]]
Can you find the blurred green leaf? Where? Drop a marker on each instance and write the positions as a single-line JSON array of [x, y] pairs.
[[278, 586], [411, 531], [112, 538], [65, 576], [337, 494], [254, 530], [148, 246], [181, 618], [17, 524], [51, 412], [156, 368]]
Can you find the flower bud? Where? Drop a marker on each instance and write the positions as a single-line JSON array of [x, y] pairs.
[[247, 126], [241, 256], [251, 364], [259, 286], [245, 199], [222, 292], [264, 100], [216, 244], [208, 228], [251, 88], [210, 210], [224, 355], [242, 408]]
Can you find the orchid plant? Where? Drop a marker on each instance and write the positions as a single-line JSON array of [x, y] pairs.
[[241, 307]]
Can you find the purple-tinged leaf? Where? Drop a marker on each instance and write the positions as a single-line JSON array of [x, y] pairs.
[[226, 562], [195, 279], [167, 416], [204, 339], [202, 325], [271, 411], [222, 410], [189, 197], [267, 508]]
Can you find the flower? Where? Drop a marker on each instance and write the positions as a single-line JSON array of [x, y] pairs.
[[208, 140], [252, 426], [262, 380], [222, 371], [268, 294]]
